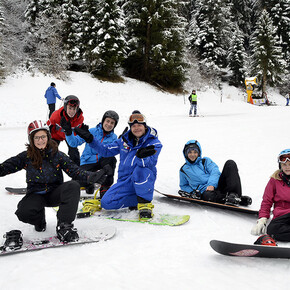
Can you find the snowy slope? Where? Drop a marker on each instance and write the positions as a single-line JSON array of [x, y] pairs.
[[146, 256]]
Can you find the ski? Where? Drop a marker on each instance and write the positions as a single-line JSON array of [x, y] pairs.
[[86, 237], [212, 204], [244, 250]]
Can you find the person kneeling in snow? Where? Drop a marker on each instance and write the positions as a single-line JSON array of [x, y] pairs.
[[201, 178], [139, 149], [277, 193], [44, 163]]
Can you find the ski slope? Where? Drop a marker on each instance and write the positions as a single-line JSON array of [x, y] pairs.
[[147, 256]]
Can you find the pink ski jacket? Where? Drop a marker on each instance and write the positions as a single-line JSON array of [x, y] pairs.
[[276, 193]]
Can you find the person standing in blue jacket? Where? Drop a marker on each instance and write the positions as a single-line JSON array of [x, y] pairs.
[[139, 149], [91, 159], [51, 94], [201, 177]]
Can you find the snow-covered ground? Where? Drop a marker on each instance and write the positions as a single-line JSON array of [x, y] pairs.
[[147, 256]]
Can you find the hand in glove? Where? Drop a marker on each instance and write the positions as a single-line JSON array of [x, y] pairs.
[[260, 227], [97, 177], [66, 126], [84, 133], [146, 152]]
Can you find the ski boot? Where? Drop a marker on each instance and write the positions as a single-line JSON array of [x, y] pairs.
[[245, 200], [266, 240], [89, 208], [233, 199], [145, 211], [66, 233], [13, 241]]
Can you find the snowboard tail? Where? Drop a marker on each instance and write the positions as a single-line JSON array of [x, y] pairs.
[[93, 236], [212, 204], [244, 250]]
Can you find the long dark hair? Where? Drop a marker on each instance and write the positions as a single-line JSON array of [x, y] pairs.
[[36, 155]]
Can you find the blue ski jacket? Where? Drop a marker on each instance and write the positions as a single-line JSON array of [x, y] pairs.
[[127, 149], [51, 94], [91, 155], [198, 175]]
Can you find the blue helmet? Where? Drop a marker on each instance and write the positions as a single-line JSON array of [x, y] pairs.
[[284, 152]]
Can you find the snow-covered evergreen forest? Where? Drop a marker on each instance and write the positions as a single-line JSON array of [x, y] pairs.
[[167, 43]]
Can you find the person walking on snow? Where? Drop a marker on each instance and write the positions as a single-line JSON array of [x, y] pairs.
[[287, 97], [44, 164], [70, 112], [193, 103], [200, 177], [51, 94], [91, 159], [277, 194], [139, 149]]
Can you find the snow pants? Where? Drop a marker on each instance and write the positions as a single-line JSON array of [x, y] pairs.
[[99, 165], [229, 182], [279, 228], [125, 193], [31, 208]]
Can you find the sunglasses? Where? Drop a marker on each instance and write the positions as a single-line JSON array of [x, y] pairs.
[[284, 158], [137, 118]]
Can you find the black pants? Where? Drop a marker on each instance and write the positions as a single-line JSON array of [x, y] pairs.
[[73, 153], [51, 108], [99, 165], [31, 208], [229, 182], [279, 228]]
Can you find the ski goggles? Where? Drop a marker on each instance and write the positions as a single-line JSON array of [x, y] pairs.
[[136, 118], [284, 158], [73, 103]]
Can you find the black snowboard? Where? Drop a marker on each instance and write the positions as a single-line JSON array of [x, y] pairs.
[[243, 250], [213, 204]]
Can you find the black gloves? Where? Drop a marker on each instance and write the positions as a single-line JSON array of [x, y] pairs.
[[66, 126], [101, 175], [84, 133], [146, 152]]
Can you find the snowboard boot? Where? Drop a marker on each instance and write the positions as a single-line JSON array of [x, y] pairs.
[[266, 240], [145, 211], [245, 200], [89, 208], [66, 233], [41, 227], [13, 240], [90, 189], [233, 199]]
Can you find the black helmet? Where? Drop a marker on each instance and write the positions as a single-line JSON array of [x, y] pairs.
[[111, 114], [72, 101]]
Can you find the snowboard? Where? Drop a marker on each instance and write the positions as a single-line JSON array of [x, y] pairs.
[[93, 236], [212, 204], [23, 190], [243, 250], [127, 215]]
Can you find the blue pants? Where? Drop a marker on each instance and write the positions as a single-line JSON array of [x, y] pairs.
[[191, 107], [124, 193]]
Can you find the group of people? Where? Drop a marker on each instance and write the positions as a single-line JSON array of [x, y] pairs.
[[139, 148]]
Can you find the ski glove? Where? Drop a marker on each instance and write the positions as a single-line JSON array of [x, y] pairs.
[[66, 126], [260, 227], [146, 152], [97, 177], [84, 133]]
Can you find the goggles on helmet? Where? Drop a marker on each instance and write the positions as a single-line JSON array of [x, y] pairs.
[[284, 158], [136, 118], [73, 103]]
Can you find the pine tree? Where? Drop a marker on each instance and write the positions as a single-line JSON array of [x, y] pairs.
[[155, 38], [267, 59]]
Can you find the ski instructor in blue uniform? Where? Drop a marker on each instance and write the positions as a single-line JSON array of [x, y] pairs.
[[51, 94], [139, 149]]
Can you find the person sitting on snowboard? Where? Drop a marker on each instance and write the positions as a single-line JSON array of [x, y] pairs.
[[139, 149], [200, 177], [91, 159], [277, 193], [44, 163]]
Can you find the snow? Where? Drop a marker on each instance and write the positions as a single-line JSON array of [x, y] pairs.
[[148, 256]]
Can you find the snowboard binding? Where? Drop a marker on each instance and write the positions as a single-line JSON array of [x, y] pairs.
[[13, 241], [195, 194]]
